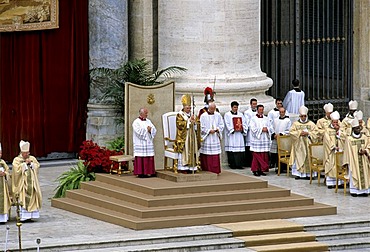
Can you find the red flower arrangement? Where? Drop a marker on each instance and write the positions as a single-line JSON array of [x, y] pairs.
[[96, 157]]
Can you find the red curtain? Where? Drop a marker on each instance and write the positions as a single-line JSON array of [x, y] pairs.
[[44, 84]]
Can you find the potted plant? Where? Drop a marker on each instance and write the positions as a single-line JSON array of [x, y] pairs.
[[97, 157]]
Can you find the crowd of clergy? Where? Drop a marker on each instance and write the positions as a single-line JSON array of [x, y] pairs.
[[250, 139]]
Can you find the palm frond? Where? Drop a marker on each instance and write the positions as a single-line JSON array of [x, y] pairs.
[[72, 179], [169, 71]]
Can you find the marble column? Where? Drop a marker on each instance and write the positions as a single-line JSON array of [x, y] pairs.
[[361, 55], [218, 42], [108, 41]]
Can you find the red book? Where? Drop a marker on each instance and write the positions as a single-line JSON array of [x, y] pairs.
[[238, 124]]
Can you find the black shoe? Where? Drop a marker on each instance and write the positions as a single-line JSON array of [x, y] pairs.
[[363, 195], [261, 173], [354, 195], [297, 178], [331, 187], [341, 186], [256, 174], [308, 178]]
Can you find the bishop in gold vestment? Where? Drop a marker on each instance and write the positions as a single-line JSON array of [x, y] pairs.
[[5, 202], [25, 183], [356, 157], [323, 123], [303, 132], [333, 142]]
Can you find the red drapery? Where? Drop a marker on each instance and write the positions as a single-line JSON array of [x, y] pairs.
[[44, 84]]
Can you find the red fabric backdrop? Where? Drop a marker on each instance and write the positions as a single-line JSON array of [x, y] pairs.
[[44, 84]]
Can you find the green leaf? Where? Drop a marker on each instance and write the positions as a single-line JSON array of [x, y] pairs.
[[72, 179]]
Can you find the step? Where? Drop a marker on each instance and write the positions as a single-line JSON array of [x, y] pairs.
[[261, 227], [188, 220], [189, 209], [294, 247], [281, 238], [132, 239], [349, 244], [200, 245], [335, 225], [342, 233], [227, 181], [186, 198]]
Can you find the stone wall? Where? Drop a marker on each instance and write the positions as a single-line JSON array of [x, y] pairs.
[[361, 55]]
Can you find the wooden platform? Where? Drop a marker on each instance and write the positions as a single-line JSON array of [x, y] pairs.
[[275, 235], [151, 203]]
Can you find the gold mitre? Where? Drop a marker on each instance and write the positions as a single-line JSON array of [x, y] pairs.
[[186, 100]]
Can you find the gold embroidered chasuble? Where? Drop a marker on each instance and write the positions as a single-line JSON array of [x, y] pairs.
[[358, 164], [186, 140], [299, 152], [332, 140], [5, 202], [26, 183]]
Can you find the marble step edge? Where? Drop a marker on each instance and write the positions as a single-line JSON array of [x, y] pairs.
[[348, 244], [189, 245], [336, 224], [335, 234]]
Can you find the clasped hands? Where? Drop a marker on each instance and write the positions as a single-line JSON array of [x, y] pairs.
[[212, 131], [362, 152]]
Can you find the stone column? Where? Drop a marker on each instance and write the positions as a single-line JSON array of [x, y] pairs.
[[142, 17], [108, 41], [217, 39], [361, 52]]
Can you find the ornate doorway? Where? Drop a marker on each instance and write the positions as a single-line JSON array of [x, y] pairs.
[[310, 40]]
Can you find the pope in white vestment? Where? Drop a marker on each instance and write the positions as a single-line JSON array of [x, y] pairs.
[[143, 135], [212, 126]]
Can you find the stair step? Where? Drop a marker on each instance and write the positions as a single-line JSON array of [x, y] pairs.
[[343, 224], [296, 247], [344, 233], [187, 198], [282, 238], [188, 220], [155, 186], [223, 244], [349, 244], [262, 227], [190, 209]]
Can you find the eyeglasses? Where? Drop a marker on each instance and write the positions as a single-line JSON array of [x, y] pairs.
[[279, 103]]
